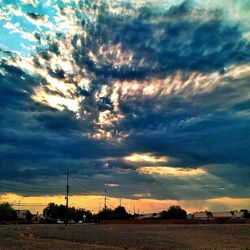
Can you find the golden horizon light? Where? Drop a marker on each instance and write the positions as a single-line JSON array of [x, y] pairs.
[[144, 205]]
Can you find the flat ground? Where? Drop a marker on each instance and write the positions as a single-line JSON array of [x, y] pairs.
[[125, 236]]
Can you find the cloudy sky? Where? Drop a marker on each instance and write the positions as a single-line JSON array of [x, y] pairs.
[[149, 99]]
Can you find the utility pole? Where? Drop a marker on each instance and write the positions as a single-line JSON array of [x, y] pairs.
[[120, 201], [105, 199], [67, 197]]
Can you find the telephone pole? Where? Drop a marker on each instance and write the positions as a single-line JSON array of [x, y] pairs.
[[105, 199], [67, 197], [120, 201]]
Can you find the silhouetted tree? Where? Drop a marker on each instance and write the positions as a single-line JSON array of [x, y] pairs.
[[28, 217], [51, 211], [164, 214], [174, 212], [105, 214], [54, 212], [77, 214], [209, 213], [119, 213], [81, 212], [246, 213], [7, 213]]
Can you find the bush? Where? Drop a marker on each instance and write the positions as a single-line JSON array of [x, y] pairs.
[[246, 213], [54, 212], [7, 213], [174, 212], [118, 213]]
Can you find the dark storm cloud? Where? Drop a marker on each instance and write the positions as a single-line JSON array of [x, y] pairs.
[[193, 133], [176, 39], [32, 137], [206, 129]]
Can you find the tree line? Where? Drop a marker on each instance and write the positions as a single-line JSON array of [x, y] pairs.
[[54, 212], [60, 212]]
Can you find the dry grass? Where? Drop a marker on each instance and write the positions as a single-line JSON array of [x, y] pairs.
[[125, 236]]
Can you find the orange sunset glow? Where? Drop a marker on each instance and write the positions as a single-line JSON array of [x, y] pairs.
[[142, 205]]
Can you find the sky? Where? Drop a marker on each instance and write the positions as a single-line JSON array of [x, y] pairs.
[[148, 99]]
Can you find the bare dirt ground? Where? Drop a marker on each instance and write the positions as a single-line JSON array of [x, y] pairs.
[[125, 237]]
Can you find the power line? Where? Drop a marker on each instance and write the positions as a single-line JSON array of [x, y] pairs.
[[28, 204], [76, 187], [78, 182]]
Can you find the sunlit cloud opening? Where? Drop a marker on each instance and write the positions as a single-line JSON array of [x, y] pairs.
[[58, 102], [171, 171], [146, 195], [112, 185], [146, 158]]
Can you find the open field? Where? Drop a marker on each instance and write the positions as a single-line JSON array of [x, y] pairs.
[[125, 236]]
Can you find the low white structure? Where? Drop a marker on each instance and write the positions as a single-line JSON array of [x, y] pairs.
[[222, 215], [238, 215], [21, 214], [201, 216], [149, 216]]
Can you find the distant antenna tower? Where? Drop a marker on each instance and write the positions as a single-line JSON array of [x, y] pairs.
[[105, 198], [67, 197]]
